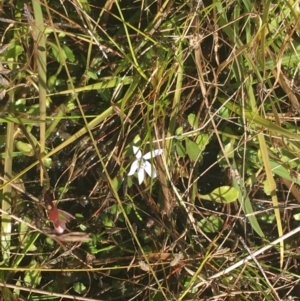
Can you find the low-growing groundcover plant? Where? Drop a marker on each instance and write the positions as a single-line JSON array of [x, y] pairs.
[[167, 132]]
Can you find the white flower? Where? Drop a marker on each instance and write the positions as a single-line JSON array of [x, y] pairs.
[[140, 165]]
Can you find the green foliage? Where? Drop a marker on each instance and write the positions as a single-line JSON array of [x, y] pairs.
[[192, 149], [25, 148], [211, 224], [79, 288], [223, 194], [33, 277], [214, 85]]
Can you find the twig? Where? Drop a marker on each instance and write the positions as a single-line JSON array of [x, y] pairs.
[[251, 256]]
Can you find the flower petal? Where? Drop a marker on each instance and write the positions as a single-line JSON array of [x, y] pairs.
[[141, 175], [64, 216], [53, 213], [137, 152], [149, 169], [59, 227], [133, 168], [153, 154]]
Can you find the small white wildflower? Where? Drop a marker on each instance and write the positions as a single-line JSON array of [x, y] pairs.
[[141, 165]]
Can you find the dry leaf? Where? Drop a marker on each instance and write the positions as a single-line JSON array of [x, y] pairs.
[[144, 266], [177, 258]]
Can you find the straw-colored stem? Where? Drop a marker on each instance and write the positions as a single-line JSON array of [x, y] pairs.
[[40, 47]]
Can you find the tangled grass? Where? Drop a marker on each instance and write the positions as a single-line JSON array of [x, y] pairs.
[[214, 85]]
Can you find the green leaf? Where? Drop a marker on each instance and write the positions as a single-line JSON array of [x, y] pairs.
[[267, 189], [33, 277], [228, 150], [92, 74], [47, 162], [117, 183], [114, 209], [180, 149], [106, 220], [82, 227], [60, 56], [192, 149], [245, 202], [51, 81], [223, 194], [179, 131], [79, 288], [24, 148], [69, 53], [211, 224], [192, 119], [13, 52], [128, 208], [283, 171], [85, 5], [202, 140]]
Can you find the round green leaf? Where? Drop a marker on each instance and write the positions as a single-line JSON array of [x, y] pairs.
[[223, 194], [211, 224], [47, 162]]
